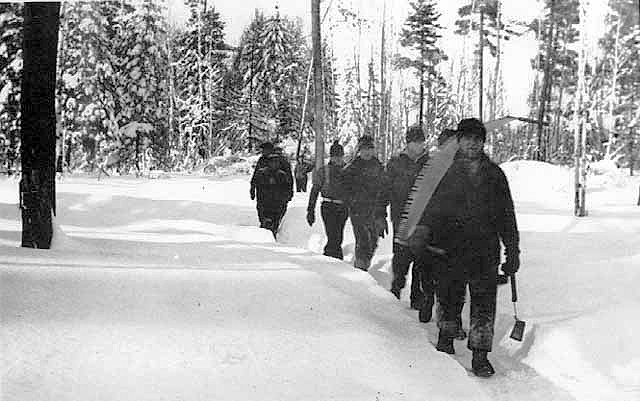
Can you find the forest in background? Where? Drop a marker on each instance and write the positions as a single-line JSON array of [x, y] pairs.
[[136, 92]]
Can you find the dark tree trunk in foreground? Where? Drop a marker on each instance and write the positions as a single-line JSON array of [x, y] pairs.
[[38, 123]]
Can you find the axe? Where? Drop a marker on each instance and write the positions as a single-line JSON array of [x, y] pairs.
[[518, 328]]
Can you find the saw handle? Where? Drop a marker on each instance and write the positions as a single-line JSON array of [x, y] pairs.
[[514, 291]]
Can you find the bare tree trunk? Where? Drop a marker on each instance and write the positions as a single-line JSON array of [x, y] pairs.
[[318, 121], [383, 99], [38, 127], [421, 117], [496, 69], [546, 84], [612, 95], [200, 77], [481, 66], [579, 134]]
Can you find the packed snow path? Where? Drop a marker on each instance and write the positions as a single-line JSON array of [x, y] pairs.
[[165, 289]]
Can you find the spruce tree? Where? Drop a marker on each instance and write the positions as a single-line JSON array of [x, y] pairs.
[[420, 34]]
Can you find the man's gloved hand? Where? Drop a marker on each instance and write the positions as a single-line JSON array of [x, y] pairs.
[[311, 217], [419, 239], [381, 226], [252, 193], [512, 264]]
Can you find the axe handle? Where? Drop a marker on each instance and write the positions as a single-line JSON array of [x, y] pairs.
[[514, 291]]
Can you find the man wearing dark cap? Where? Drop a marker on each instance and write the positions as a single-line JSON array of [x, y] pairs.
[[468, 215], [364, 185], [401, 174], [329, 183], [269, 153]]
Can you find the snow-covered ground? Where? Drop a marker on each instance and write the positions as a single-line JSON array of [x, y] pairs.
[[165, 289]]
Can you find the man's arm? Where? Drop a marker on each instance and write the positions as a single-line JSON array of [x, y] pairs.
[[315, 190], [507, 226]]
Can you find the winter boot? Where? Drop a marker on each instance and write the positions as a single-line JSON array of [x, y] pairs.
[[460, 333], [445, 344], [417, 302], [480, 364], [361, 264], [426, 310]]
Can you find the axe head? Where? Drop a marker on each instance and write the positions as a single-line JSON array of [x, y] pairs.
[[518, 330]]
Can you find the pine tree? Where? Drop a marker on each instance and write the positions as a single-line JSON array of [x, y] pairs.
[[557, 61], [272, 65], [421, 35], [200, 90]]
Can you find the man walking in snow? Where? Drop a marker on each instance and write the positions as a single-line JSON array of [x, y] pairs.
[[469, 214], [328, 183], [303, 167], [363, 183], [401, 174], [267, 149], [274, 190]]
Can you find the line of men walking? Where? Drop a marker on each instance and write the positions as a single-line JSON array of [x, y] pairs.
[[470, 213]]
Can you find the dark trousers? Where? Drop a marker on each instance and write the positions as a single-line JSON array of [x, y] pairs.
[[270, 215], [366, 238], [422, 280], [301, 183], [451, 288], [334, 216]]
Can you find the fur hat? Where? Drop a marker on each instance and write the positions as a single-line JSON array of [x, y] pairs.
[[471, 127], [336, 149], [365, 141], [268, 146], [415, 134]]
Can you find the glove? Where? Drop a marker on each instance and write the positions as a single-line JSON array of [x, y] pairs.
[[512, 264], [419, 239], [252, 193], [381, 226], [311, 217]]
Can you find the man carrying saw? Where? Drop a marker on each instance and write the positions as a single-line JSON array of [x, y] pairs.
[[467, 216], [401, 174]]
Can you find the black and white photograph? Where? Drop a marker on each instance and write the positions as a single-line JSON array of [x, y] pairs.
[[346, 200]]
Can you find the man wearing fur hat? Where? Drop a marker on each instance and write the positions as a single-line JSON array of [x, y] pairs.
[[468, 215], [401, 174], [363, 181], [328, 182]]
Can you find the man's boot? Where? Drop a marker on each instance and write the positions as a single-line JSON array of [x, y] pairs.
[[480, 364], [460, 333], [445, 344], [426, 310], [361, 264], [417, 302]]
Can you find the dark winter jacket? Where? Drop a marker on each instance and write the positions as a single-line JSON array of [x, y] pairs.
[[467, 219], [273, 186], [400, 175], [284, 165], [364, 188], [329, 182]]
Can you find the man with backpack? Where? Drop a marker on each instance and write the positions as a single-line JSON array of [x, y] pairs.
[[273, 190]]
